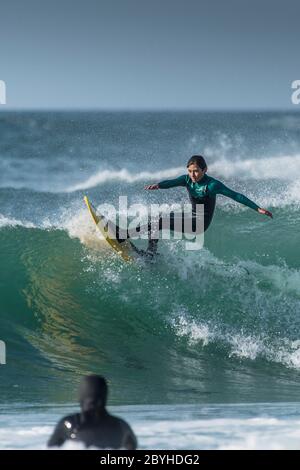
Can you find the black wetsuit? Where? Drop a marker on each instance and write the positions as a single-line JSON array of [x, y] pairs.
[[94, 429], [204, 192]]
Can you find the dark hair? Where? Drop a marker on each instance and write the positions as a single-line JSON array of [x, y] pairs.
[[197, 160]]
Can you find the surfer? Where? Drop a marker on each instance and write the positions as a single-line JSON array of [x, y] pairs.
[[202, 189], [94, 426]]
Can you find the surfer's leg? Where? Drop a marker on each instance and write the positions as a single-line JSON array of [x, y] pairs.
[[175, 222], [121, 235], [151, 229], [135, 232], [116, 232], [132, 233], [152, 247], [191, 224], [178, 223]]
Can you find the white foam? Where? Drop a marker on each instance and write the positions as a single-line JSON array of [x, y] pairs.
[[260, 343], [283, 350], [11, 222], [125, 176], [286, 167], [222, 426], [283, 278], [243, 346]]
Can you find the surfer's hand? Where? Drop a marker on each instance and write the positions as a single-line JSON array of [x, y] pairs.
[[152, 186], [265, 212]]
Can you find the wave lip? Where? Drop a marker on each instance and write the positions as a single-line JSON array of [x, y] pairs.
[[124, 176], [281, 168], [12, 222]]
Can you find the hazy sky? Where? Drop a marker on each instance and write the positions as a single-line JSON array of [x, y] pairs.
[[200, 54]]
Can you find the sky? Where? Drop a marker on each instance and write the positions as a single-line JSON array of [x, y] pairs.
[[149, 54]]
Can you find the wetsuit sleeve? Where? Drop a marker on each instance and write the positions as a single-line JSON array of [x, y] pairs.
[[220, 188], [180, 181], [59, 435]]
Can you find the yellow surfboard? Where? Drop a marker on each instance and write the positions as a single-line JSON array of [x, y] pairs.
[[122, 249]]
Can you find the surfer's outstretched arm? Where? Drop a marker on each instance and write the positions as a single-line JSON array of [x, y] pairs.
[[220, 188], [180, 181]]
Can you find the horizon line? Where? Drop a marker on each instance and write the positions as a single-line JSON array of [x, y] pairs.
[[3, 108]]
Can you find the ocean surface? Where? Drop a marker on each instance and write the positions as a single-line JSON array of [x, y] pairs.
[[204, 342]]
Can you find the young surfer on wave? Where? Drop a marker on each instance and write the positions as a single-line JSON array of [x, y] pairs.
[[202, 189]]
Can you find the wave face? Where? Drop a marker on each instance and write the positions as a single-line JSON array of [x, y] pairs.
[[216, 325]]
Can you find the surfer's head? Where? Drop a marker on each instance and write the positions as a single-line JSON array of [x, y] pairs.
[[92, 393], [196, 167]]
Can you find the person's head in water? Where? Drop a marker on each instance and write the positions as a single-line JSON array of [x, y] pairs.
[[93, 393], [196, 167]]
